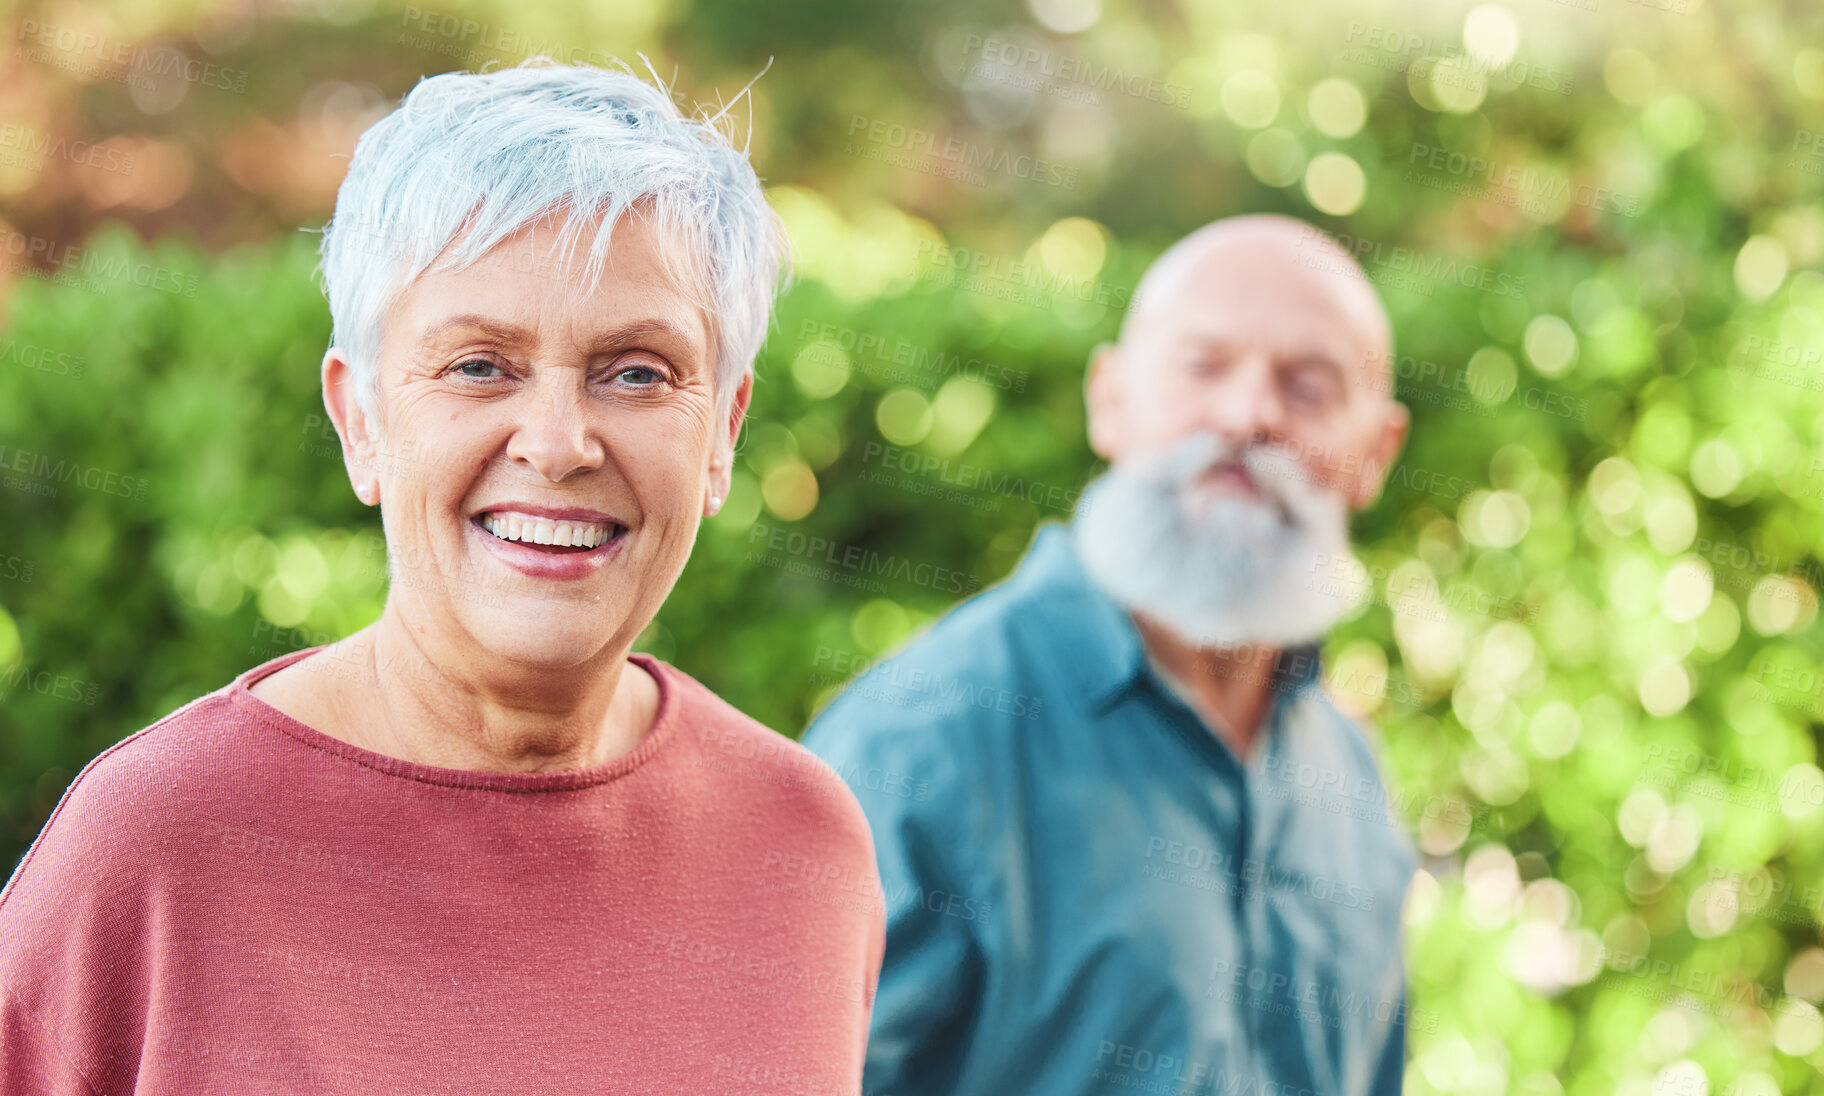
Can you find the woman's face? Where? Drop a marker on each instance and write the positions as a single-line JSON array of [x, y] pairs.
[[512, 409]]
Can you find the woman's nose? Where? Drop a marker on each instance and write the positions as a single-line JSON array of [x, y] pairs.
[[554, 437]]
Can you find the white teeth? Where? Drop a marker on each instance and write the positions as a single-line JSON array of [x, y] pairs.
[[561, 534]]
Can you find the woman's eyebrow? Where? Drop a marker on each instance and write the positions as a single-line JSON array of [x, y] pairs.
[[506, 332], [641, 330], [494, 329]]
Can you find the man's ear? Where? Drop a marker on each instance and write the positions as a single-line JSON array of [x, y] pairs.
[[1382, 451], [722, 459], [1104, 398], [360, 434]]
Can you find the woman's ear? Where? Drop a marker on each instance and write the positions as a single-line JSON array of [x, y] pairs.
[[359, 433], [722, 459]]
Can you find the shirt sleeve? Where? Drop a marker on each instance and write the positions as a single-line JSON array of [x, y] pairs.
[[931, 975], [30, 1059], [75, 951]]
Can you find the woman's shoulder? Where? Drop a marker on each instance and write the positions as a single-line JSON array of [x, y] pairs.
[[125, 804], [728, 746], [152, 758]]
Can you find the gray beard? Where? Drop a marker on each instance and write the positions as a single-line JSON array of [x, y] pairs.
[[1222, 571]]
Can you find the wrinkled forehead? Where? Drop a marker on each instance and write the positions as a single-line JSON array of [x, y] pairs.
[[547, 267], [570, 256]]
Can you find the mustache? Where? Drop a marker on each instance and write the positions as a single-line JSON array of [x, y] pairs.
[[1273, 467], [1218, 568]]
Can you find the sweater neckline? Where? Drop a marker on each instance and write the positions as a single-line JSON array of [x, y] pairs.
[[561, 780]]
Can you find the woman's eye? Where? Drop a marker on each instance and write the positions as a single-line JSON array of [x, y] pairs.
[[476, 368], [639, 376]]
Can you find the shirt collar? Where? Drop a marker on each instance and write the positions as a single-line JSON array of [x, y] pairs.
[[1097, 638]]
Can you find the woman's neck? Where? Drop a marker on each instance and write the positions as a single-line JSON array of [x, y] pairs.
[[388, 695]]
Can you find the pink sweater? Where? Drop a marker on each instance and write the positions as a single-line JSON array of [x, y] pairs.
[[232, 902]]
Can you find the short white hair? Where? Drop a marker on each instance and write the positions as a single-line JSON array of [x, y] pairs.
[[480, 156]]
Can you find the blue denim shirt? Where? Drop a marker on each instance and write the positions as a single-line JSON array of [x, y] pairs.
[[1088, 893]]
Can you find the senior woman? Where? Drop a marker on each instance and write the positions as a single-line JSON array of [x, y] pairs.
[[478, 846]]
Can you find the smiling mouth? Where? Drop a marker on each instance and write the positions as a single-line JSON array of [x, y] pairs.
[[546, 535]]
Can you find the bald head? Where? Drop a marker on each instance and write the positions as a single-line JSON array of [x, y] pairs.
[[1264, 259], [1261, 328]]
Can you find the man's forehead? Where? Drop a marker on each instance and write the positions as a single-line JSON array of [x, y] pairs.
[[1290, 333], [1262, 268], [1286, 329]]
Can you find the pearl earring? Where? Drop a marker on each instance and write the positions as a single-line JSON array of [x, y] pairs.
[[715, 503]]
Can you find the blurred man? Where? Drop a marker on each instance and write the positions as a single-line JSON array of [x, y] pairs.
[[1141, 850]]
